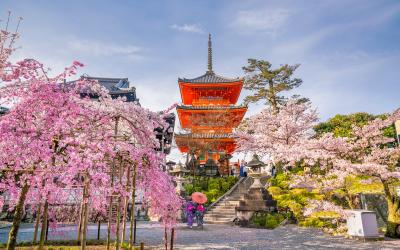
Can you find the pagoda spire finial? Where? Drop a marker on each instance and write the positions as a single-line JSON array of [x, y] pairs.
[[209, 55]]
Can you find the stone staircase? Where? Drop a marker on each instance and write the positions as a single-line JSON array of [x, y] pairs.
[[222, 211]]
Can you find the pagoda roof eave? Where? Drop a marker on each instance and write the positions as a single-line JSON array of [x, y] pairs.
[[206, 136], [214, 107], [210, 77]]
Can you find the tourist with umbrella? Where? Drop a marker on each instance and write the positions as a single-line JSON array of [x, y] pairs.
[[200, 199], [190, 212]]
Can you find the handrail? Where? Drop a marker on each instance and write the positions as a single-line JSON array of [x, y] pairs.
[[242, 179]]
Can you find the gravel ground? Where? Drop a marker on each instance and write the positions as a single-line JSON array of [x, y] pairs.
[[224, 237]]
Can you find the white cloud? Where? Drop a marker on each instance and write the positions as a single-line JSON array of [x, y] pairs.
[[101, 49], [267, 20], [191, 28]]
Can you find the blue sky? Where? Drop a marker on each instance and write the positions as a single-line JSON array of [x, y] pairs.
[[348, 50]]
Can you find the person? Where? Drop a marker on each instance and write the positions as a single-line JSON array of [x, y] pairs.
[[241, 169], [200, 214], [273, 171], [190, 211], [245, 169]]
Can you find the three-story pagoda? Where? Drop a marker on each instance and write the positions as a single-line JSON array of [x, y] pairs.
[[209, 113]]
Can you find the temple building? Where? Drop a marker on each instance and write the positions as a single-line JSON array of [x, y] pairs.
[[208, 113], [117, 87], [121, 87]]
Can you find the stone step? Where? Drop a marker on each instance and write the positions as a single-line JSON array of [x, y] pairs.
[[232, 199], [222, 213], [228, 203], [223, 208], [226, 219]]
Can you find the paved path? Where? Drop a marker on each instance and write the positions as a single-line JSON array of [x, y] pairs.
[[224, 237]]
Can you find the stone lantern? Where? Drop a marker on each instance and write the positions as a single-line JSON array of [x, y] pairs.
[[257, 198], [224, 164], [179, 172], [254, 172], [211, 168], [170, 165]]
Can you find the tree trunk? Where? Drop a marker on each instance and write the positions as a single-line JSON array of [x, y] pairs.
[[98, 229], [393, 202], [133, 206], [84, 223], [165, 238], [272, 98], [12, 237], [112, 185], [81, 217], [126, 199], [44, 225], [393, 222], [37, 222], [117, 231]]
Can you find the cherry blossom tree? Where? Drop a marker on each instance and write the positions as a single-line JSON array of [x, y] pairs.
[[372, 153], [287, 138], [55, 139], [283, 136]]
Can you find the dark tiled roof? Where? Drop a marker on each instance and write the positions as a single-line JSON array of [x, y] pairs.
[[118, 87], [112, 84], [208, 107], [210, 77], [3, 110]]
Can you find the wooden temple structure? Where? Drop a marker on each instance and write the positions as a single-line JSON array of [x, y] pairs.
[[209, 113]]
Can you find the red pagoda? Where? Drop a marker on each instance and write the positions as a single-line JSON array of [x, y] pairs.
[[208, 112]]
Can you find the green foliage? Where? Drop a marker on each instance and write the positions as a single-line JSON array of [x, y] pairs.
[[316, 222], [293, 200], [275, 191], [268, 220], [268, 83], [212, 187], [322, 219], [342, 125], [325, 215], [281, 180], [362, 184]]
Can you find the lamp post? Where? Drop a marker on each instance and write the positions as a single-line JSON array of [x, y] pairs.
[[179, 172], [255, 171], [211, 168]]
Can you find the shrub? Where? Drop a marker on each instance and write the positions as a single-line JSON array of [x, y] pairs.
[[281, 180], [316, 222], [268, 220]]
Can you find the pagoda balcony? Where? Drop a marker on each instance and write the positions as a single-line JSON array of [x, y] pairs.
[[206, 135], [217, 118], [212, 107], [206, 142]]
